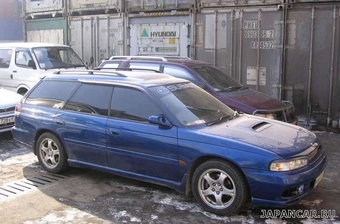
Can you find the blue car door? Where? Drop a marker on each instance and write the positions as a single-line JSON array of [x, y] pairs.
[[136, 146], [82, 124]]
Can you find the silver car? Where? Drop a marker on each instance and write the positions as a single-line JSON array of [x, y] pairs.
[[8, 99]]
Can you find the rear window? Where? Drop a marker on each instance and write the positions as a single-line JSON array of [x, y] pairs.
[[51, 93]]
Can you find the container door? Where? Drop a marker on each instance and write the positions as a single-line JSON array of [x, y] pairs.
[[312, 64], [96, 37], [244, 43]]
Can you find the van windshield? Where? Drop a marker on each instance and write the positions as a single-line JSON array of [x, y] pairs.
[[217, 79], [57, 57]]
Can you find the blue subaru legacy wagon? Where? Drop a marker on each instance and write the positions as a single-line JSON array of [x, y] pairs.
[[165, 130]]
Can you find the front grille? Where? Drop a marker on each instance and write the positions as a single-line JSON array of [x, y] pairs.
[[8, 109]]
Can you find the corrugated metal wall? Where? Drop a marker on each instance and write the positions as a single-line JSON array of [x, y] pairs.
[[288, 49]]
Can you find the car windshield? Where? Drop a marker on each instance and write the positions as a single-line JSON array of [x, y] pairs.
[[217, 79], [57, 57], [192, 105]]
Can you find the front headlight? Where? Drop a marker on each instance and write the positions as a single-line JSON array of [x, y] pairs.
[[288, 165], [270, 116]]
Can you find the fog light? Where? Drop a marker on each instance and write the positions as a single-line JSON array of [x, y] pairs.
[[301, 188]]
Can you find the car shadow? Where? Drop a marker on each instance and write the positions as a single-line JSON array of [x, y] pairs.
[[9, 147]]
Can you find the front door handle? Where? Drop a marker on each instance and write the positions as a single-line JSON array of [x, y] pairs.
[[112, 131], [60, 122]]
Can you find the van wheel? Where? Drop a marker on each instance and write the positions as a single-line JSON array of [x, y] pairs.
[[51, 153], [219, 187]]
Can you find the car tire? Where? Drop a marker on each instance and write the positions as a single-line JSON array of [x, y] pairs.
[[219, 187], [51, 153]]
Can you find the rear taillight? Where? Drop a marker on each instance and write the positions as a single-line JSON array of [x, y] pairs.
[[17, 108]]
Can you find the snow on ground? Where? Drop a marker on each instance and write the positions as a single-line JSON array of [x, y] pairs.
[[69, 215]]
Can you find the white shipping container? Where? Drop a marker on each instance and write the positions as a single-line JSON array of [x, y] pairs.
[[54, 36], [149, 5], [159, 39], [87, 5], [44, 6], [221, 3], [96, 38]]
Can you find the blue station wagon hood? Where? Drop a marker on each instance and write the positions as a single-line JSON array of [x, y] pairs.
[[281, 138]]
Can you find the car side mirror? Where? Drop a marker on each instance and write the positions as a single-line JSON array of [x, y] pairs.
[[161, 120], [31, 64]]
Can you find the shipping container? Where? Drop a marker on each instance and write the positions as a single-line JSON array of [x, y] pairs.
[[10, 9], [224, 3], [160, 35], [312, 61], [158, 5], [290, 54], [12, 29], [95, 6], [98, 37], [38, 8], [52, 30]]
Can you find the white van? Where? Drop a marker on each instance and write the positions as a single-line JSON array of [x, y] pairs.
[[23, 64]]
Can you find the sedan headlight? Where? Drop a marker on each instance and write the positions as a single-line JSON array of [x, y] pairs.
[[288, 164]]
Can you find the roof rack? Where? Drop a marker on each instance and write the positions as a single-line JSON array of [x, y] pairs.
[[90, 72], [129, 69], [159, 58]]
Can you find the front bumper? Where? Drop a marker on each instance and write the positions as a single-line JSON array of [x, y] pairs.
[[281, 189]]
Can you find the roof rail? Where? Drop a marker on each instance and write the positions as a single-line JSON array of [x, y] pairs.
[[160, 58], [139, 57], [89, 72], [178, 57], [129, 69]]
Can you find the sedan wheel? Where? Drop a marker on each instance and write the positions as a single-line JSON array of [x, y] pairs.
[[219, 187], [51, 153]]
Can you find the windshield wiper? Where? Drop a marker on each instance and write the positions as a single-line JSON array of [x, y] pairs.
[[220, 119], [202, 109], [231, 88]]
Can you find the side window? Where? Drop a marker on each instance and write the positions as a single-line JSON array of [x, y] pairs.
[[91, 99], [179, 73], [23, 57], [5, 57], [145, 65], [49, 94], [132, 104]]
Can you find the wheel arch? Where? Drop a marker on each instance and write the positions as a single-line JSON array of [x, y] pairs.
[[204, 159], [39, 133]]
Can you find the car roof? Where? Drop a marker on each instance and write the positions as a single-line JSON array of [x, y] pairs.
[[144, 79], [29, 44]]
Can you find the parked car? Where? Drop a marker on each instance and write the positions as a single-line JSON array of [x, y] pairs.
[[8, 100], [213, 80], [165, 130], [23, 64]]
